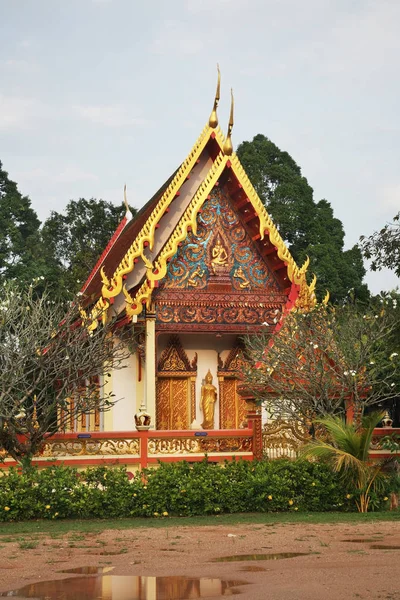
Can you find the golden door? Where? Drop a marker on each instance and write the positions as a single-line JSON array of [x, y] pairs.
[[172, 403], [233, 408]]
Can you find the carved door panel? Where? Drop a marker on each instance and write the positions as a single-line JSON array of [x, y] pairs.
[[172, 403], [232, 407]]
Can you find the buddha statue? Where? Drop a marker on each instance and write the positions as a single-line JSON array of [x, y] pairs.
[[207, 402], [219, 255]]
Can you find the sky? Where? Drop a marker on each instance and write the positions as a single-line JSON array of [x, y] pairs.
[[98, 93]]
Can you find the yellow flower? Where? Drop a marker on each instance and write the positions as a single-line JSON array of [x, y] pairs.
[[145, 487], [134, 495], [165, 514], [183, 491], [386, 498], [48, 506], [6, 508], [156, 514], [296, 508], [348, 496], [270, 497], [56, 514], [290, 502], [313, 483]]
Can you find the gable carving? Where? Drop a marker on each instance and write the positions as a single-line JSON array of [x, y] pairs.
[[174, 358], [221, 250], [235, 362]]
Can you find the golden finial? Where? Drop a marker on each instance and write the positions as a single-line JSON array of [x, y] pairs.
[[128, 213], [228, 148], [213, 120], [326, 298]]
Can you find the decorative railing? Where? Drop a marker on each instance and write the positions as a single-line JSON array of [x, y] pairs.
[[142, 448], [377, 449], [178, 443], [282, 439]]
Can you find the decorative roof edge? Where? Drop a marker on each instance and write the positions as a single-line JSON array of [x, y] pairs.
[[113, 287], [188, 221]]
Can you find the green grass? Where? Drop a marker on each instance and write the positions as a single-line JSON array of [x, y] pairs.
[[55, 528]]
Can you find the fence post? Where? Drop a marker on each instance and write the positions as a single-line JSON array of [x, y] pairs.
[[253, 417], [144, 439]]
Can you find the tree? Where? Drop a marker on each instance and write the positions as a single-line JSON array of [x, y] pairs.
[[347, 450], [282, 188], [75, 240], [20, 256], [309, 228], [383, 247], [325, 362], [53, 367]]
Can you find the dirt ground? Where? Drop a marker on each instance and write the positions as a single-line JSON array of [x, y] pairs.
[[340, 561]]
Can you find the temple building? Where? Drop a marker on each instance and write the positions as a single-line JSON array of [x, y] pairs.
[[201, 264]]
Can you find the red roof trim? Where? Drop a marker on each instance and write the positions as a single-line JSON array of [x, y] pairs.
[[107, 249]]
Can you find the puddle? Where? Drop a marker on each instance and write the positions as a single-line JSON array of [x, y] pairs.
[[272, 556], [115, 587], [88, 570], [252, 569], [383, 547]]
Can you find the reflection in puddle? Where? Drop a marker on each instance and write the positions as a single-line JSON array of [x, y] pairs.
[[383, 547], [121, 587], [88, 570], [274, 556], [361, 540]]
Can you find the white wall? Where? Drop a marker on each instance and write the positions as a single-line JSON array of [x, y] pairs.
[[124, 387]]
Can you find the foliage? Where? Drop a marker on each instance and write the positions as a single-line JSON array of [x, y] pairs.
[[309, 228], [319, 361], [75, 239], [392, 443], [347, 450], [49, 353], [20, 250], [180, 489], [383, 247]]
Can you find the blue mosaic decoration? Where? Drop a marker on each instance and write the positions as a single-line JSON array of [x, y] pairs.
[[219, 233]]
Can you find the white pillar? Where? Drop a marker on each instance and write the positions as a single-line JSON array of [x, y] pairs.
[[150, 368]]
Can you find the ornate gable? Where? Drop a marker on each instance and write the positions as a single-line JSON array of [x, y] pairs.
[[221, 252], [174, 358]]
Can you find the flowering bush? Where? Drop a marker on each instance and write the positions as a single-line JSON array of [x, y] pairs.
[[180, 489]]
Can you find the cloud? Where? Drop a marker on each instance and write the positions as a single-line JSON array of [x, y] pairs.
[[68, 174], [108, 115], [19, 112], [390, 199], [176, 38]]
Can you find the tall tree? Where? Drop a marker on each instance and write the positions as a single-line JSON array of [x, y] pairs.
[[309, 228], [383, 247], [75, 239], [20, 255]]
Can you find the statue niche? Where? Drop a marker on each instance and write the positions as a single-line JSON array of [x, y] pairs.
[[207, 402]]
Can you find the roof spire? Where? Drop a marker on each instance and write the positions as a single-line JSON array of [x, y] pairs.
[[128, 213], [213, 120], [228, 148]]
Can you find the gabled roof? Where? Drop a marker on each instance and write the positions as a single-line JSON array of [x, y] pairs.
[[132, 245]]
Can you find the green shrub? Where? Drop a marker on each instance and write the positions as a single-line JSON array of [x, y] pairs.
[[181, 489]]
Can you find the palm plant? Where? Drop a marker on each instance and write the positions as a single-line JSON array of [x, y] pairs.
[[347, 450]]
